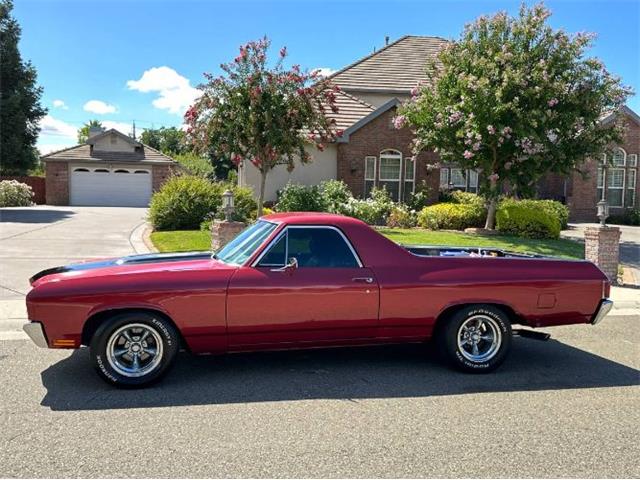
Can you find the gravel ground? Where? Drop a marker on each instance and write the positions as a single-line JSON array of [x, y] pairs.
[[569, 407]]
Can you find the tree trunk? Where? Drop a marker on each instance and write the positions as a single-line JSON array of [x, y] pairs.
[[491, 214], [263, 181]]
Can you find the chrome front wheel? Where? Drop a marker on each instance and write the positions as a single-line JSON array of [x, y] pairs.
[[134, 350]]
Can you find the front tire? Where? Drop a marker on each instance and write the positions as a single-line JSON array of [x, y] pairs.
[[476, 338], [134, 349]]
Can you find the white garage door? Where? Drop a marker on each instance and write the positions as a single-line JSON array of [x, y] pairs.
[[115, 186]]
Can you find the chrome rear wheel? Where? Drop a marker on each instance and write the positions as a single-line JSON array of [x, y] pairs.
[[479, 338]]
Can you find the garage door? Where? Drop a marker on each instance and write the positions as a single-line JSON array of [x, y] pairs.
[[121, 186]]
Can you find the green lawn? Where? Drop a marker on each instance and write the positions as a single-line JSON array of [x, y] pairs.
[[182, 240], [194, 240]]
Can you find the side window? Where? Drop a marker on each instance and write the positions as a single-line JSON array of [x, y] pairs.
[[276, 256], [320, 248]]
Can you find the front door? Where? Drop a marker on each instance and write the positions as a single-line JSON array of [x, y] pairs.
[[308, 287]]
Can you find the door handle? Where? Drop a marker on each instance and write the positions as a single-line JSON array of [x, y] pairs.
[[362, 279]]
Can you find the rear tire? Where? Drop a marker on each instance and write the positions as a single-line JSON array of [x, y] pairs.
[[134, 349], [476, 338]]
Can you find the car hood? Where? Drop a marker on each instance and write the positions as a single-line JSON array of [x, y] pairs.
[[126, 264]]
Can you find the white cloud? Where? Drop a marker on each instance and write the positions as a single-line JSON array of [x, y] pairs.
[[59, 104], [57, 128], [99, 107], [122, 127], [175, 92], [45, 148], [325, 71]]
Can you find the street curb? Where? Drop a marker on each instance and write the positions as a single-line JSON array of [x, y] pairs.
[[146, 238]]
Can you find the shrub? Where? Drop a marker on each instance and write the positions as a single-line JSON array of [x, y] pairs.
[[526, 220], [196, 165], [15, 194], [451, 216], [467, 198], [629, 217], [420, 198], [266, 211], [336, 195], [374, 210], [402, 217], [300, 198], [184, 202], [550, 207]]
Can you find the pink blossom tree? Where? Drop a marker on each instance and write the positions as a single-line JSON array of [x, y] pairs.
[[515, 99], [263, 114]]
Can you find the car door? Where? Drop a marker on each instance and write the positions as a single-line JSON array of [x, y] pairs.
[[308, 286]]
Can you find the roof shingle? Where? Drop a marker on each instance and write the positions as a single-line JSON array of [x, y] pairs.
[[398, 67]]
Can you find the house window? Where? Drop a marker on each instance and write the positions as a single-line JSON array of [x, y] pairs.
[[390, 172], [632, 160], [409, 178], [458, 179], [618, 158], [600, 183], [444, 178], [615, 186], [369, 174], [630, 195], [121, 171]]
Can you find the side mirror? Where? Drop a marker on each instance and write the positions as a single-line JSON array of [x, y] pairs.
[[289, 267]]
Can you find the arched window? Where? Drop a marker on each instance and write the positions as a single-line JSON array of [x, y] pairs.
[[121, 170], [81, 170], [142, 171], [616, 180], [101, 170]]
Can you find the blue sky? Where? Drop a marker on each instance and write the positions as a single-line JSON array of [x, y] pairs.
[[120, 61]]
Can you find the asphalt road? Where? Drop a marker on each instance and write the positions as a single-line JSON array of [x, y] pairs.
[[569, 407]]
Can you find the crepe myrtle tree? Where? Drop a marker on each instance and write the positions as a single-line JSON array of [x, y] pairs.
[[261, 113], [514, 99]]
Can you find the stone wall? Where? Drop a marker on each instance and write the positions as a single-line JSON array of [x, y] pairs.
[[602, 247]]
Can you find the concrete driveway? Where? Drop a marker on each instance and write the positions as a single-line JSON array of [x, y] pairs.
[[35, 238]]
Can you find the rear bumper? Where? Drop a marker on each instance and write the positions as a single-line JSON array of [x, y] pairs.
[[603, 309], [36, 334]]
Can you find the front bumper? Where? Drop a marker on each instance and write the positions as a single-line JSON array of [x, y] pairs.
[[36, 334], [604, 308]]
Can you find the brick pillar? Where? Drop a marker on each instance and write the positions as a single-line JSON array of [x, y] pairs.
[[602, 247], [222, 232]]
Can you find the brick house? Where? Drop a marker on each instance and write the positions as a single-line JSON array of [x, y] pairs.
[[110, 169], [372, 152]]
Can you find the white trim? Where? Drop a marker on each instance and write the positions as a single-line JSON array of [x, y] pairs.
[[396, 155], [375, 164], [632, 163], [624, 157]]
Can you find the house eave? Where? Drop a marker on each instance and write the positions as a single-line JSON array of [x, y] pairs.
[[394, 102]]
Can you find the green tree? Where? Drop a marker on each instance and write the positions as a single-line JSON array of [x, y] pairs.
[[196, 164], [264, 114], [515, 99], [169, 141], [83, 131], [20, 108]]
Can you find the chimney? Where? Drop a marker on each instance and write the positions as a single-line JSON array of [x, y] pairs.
[[386, 40], [93, 131]]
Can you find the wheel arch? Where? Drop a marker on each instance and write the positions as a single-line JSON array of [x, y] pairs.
[[450, 310], [95, 320]]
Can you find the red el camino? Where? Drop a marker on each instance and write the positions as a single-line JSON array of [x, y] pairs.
[[304, 280]]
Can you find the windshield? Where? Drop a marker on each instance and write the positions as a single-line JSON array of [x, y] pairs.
[[242, 247]]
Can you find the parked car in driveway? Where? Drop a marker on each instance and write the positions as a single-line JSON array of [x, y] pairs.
[[304, 280]]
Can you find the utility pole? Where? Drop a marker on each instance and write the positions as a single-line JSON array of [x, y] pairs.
[[134, 130]]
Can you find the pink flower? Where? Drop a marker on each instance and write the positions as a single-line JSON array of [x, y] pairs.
[[476, 146], [283, 52], [553, 102], [399, 121], [467, 154], [493, 178], [506, 131], [339, 133], [414, 91], [491, 129]]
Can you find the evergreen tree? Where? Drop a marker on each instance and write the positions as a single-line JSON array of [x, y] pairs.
[[20, 108]]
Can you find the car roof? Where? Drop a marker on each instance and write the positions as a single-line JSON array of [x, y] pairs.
[[311, 218]]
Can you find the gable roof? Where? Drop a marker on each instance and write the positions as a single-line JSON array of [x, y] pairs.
[[350, 110], [394, 102], [609, 116], [85, 153], [112, 131], [396, 68]]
